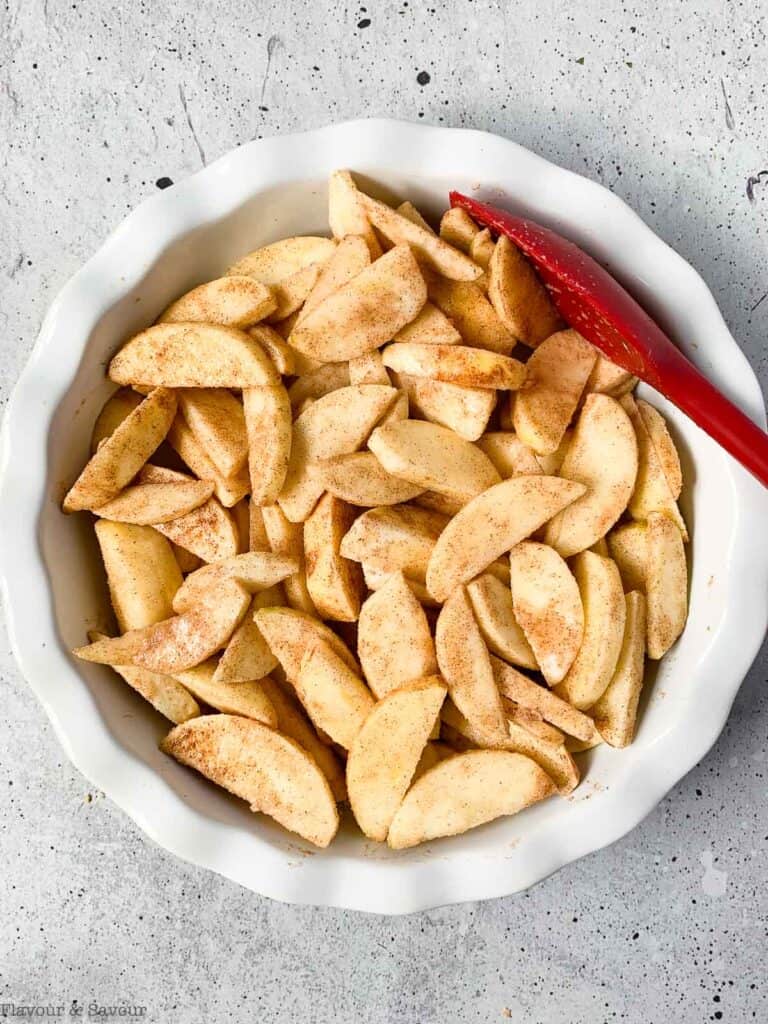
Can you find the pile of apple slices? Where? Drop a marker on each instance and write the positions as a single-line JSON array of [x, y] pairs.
[[377, 527]]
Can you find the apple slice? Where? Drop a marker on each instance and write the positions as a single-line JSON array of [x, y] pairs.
[[547, 606], [364, 313], [602, 456], [464, 410], [386, 751], [394, 539], [120, 457], [509, 455], [607, 378], [269, 426], [616, 711], [394, 642], [192, 356], [360, 479], [287, 538], [556, 374], [666, 452], [456, 364], [627, 547], [268, 770], [652, 492], [139, 598], [335, 697], [349, 259], [602, 597], [246, 698], [247, 655], [335, 424], [465, 791], [228, 489], [117, 407], [346, 211], [520, 299], [457, 228], [273, 263], [316, 383], [492, 605], [234, 301], [666, 584], [335, 583], [430, 327], [530, 695], [216, 419], [428, 247], [493, 523], [147, 504], [368, 369], [255, 570], [290, 634], [433, 457], [464, 663], [473, 316], [180, 642]]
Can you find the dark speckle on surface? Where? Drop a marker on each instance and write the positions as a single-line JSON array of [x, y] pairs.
[[364, 23], [164, 182], [423, 78]]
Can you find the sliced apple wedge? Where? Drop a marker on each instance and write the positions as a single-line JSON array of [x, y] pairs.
[[336, 424], [147, 504], [473, 316], [287, 538], [492, 605], [386, 751], [349, 259], [290, 634], [666, 452], [666, 584], [255, 570], [271, 772], [408, 210], [335, 697], [509, 455], [481, 248], [457, 228], [278, 350], [429, 248], [234, 301], [335, 583], [120, 457], [520, 299], [430, 327], [602, 456], [433, 457], [216, 419], [138, 598], [273, 263], [228, 489], [360, 479], [117, 407], [493, 523], [547, 606], [616, 711], [607, 378], [394, 643], [247, 655], [346, 212], [456, 364], [627, 547], [652, 492], [556, 374], [602, 597], [465, 791], [180, 642], [192, 356], [316, 383], [269, 425], [209, 532], [530, 695], [464, 410], [246, 698], [164, 693], [465, 664], [364, 313], [394, 539], [292, 722]]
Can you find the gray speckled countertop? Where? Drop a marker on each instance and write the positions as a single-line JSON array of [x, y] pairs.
[[665, 104]]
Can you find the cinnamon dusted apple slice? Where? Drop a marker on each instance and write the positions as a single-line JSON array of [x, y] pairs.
[[273, 773], [233, 301], [666, 584], [255, 570]]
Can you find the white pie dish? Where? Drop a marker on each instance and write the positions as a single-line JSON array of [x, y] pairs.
[[52, 580]]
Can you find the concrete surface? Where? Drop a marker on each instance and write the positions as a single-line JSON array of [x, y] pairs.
[[662, 102]]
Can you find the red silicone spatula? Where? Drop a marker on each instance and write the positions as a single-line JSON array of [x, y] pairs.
[[597, 306]]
